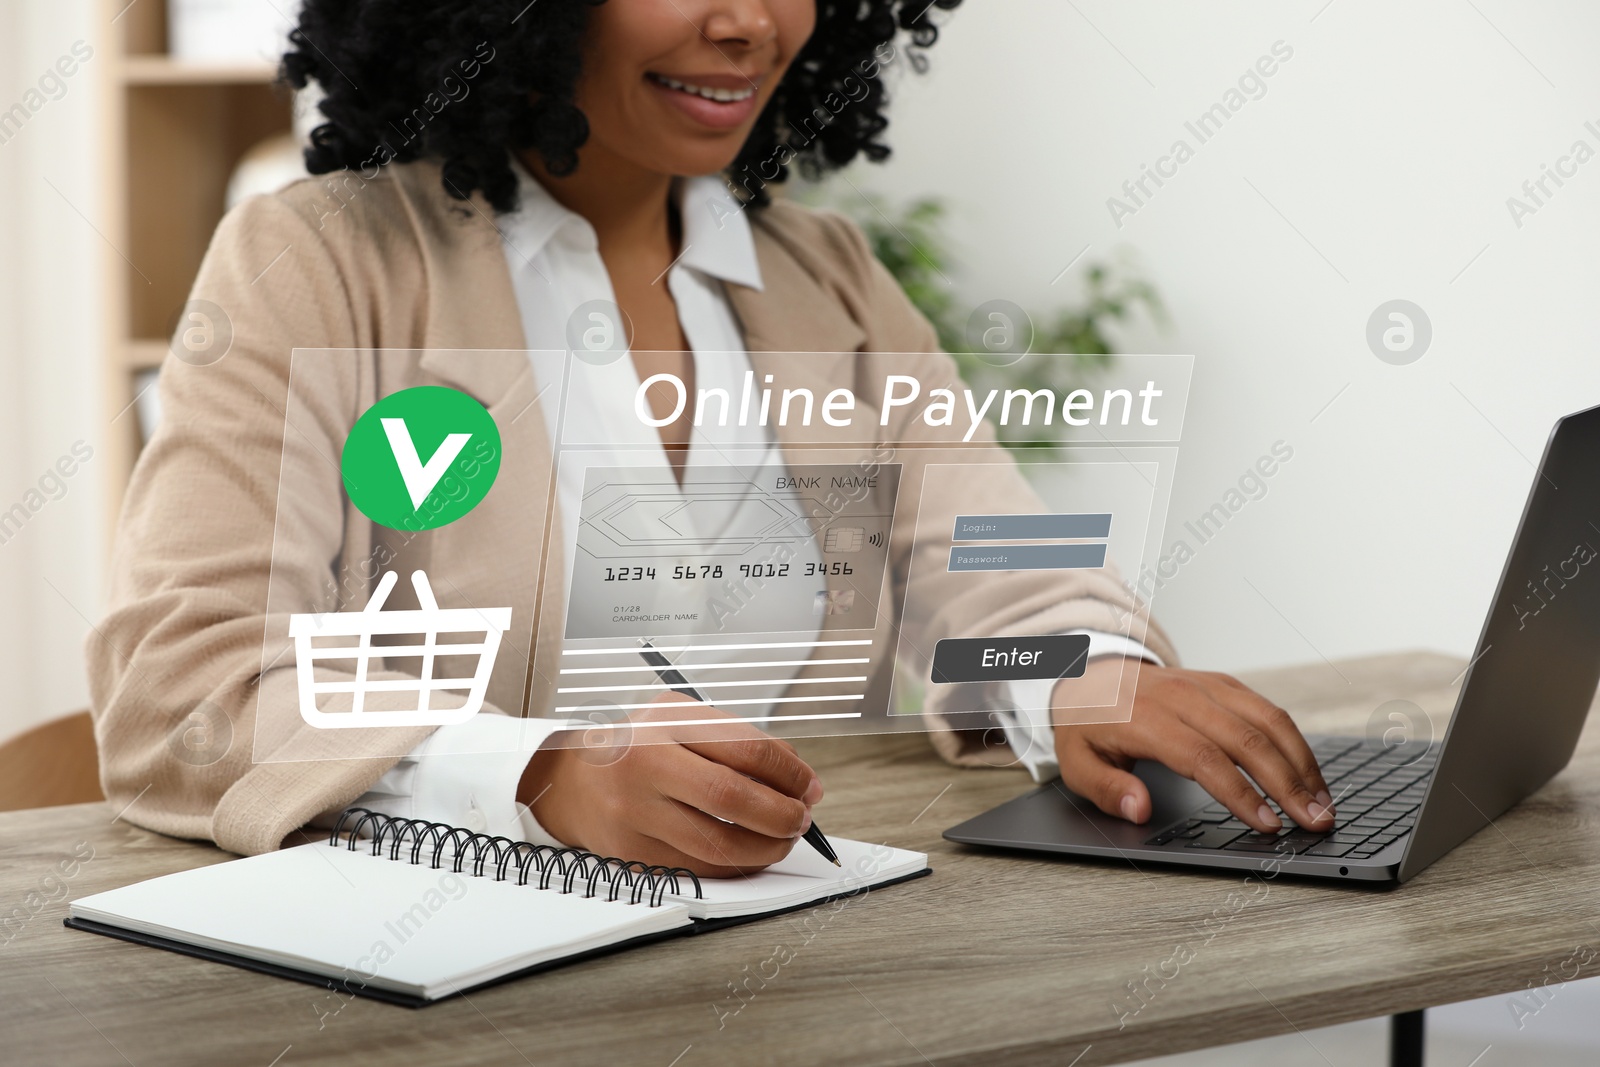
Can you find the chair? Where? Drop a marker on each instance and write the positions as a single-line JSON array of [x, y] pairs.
[[53, 763]]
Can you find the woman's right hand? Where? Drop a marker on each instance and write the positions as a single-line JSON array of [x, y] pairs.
[[721, 801]]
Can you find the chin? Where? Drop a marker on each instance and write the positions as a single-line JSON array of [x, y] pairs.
[[689, 164]]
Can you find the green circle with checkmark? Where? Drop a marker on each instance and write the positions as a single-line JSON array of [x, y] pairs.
[[421, 458]]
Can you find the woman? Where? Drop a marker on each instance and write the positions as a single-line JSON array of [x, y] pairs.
[[498, 165]]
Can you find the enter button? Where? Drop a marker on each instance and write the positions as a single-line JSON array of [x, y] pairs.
[[1008, 659]]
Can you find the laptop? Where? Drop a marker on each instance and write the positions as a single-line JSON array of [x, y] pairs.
[[1399, 806]]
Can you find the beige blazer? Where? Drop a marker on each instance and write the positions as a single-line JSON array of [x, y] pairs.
[[191, 648]]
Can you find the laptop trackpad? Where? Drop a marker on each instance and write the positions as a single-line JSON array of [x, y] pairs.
[[1054, 816]]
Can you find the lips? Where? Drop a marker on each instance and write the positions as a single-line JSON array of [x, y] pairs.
[[720, 94], [718, 101]]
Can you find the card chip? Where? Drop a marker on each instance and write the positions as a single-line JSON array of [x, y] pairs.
[[843, 539]]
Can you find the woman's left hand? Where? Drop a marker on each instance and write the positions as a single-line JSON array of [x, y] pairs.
[[1205, 726]]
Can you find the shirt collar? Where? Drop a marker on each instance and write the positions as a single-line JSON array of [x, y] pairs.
[[716, 232], [717, 239], [538, 218]]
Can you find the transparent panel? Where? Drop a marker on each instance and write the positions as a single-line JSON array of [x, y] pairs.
[[817, 542]]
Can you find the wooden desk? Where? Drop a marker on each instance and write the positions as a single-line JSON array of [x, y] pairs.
[[995, 959]]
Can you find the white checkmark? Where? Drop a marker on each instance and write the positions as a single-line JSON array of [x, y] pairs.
[[421, 479]]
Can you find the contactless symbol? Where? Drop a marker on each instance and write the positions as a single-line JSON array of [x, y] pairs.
[[387, 476]]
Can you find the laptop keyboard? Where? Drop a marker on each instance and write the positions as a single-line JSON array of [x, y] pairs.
[[1376, 796]]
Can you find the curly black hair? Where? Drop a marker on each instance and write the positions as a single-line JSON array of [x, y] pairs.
[[464, 83]]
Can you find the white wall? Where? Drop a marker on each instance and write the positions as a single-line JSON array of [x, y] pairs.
[[50, 297], [1391, 141]]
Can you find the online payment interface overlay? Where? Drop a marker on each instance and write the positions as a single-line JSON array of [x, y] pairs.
[[849, 543]]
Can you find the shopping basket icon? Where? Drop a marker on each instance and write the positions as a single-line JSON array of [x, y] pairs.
[[345, 638]]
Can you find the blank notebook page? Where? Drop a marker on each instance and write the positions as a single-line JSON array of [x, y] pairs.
[[342, 914], [802, 877]]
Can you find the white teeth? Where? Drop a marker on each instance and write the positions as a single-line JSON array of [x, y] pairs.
[[722, 96]]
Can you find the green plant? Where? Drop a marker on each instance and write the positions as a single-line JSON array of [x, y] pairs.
[[911, 244]]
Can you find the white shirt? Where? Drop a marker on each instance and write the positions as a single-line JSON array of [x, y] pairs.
[[467, 775], [555, 269]]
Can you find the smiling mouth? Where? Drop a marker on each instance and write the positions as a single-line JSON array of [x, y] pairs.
[[721, 96]]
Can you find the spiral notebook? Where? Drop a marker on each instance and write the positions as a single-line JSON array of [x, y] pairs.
[[411, 912]]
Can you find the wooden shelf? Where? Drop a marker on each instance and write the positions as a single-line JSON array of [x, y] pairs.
[[173, 133], [145, 355], [183, 144], [163, 70]]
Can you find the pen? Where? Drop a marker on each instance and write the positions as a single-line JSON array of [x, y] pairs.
[[679, 684]]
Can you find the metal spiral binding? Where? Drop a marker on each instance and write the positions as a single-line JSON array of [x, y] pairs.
[[566, 868]]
